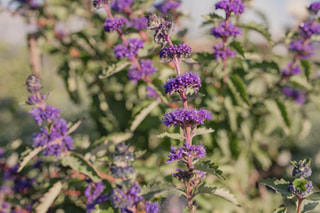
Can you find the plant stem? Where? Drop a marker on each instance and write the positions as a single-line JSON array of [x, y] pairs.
[[300, 199]]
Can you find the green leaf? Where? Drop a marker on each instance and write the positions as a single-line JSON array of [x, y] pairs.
[[113, 69], [171, 135], [315, 196], [281, 209], [28, 155], [301, 81], [280, 186], [258, 28], [213, 17], [309, 207], [276, 112], [202, 131], [237, 86], [149, 192], [284, 112], [142, 115], [225, 194], [265, 65], [236, 45], [203, 189], [307, 68], [47, 199], [78, 163], [208, 167]]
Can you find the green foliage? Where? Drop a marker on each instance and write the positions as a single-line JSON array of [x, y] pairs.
[[48, 198], [279, 185], [210, 168]]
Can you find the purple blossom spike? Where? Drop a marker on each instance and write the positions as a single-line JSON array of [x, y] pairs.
[[183, 153], [308, 29], [182, 83], [222, 52], [298, 96], [115, 24], [138, 23], [147, 68], [167, 6], [120, 5], [314, 7], [123, 199], [184, 117], [291, 70], [121, 51], [303, 49], [41, 138], [295, 191], [48, 114], [235, 6], [171, 51], [33, 84], [151, 93], [221, 31], [94, 196], [152, 207], [35, 99], [121, 171]]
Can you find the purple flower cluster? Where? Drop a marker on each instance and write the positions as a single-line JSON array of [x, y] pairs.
[[298, 96], [167, 6], [94, 196], [308, 29], [291, 70], [146, 69], [314, 7], [182, 83], [120, 5], [302, 48], [174, 50], [33, 84], [235, 6], [123, 199], [152, 207], [223, 31], [138, 23], [134, 45], [151, 93], [183, 153], [302, 170], [222, 52], [301, 192], [111, 25], [186, 117], [121, 171], [48, 114]]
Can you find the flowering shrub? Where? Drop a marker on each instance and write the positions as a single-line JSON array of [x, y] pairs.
[[161, 114]]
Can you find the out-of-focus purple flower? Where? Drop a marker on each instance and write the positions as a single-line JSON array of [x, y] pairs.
[[122, 51], [123, 199], [151, 93], [183, 153], [291, 70], [5, 190], [94, 196], [23, 184], [167, 6], [48, 114], [152, 207], [171, 51], [183, 117], [120, 5], [221, 31], [121, 172], [295, 191], [147, 68], [298, 96], [33, 84], [229, 6], [35, 99], [314, 7], [114, 24], [303, 49], [308, 29], [182, 83], [222, 52], [122, 153], [138, 23], [41, 138]]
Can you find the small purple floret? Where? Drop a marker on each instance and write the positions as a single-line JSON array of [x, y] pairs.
[[171, 51], [147, 68], [291, 70], [94, 196], [298, 96], [167, 6], [304, 50], [138, 23], [235, 6], [122, 51], [308, 29], [35, 99], [33, 84], [182, 83], [183, 153], [48, 114], [152, 207], [222, 52], [314, 7], [115, 24], [222, 32], [123, 199]]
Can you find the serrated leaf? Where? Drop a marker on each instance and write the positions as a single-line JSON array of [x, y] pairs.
[[315, 196], [275, 111], [258, 28], [189, 61], [149, 192], [280, 186], [78, 163], [171, 135], [225, 194], [28, 157], [236, 45], [238, 87], [307, 68], [281, 209], [203, 189], [202, 131], [309, 207], [113, 69], [48, 198], [142, 115], [264, 65], [208, 167], [283, 111]]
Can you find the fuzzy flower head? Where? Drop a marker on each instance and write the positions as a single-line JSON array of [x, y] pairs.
[[167, 6], [48, 114], [176, 50], [221, 31], [33, 84], [111, 25], [186, 117], [314, 7], [138, 23], [300, 187], [122, 171], [147, 68], [125, 198], [235, 6], [120, 5], [122, 51], [94, 196], [183, 153], [304, 50], [152, 207], [183, 83], [291, 70], [308, 29], [122, 153], [222, 52], [298, 96], [36, 99]]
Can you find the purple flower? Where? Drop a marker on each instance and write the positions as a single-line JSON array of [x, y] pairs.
[[229, 6], [166, 6], [171, 51], [183, 83], [120, 5], [151, 93], [120, 172], [41, 138], [147, 68], [35, 99], [115, 24], [314, 7], [184, 117], [300, 191], [303, 49], [33, 84], [292, 70], [48, 114], [222, 52], [94, 196], [183, 153], [122, 153], [138, 23], [122, 51], [152, 207], [123, 199], [308, 29], [221, 31], [298, 96]]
